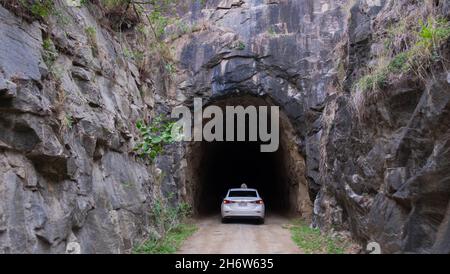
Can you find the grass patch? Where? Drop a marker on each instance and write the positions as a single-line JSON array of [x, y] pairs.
[[171, 226], [170, 243], [421, 49], [91, 35], [313, 241], [377, 80], [50, 53]]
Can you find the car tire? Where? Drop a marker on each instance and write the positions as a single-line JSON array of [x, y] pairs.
[[261, 221], [224, 220]]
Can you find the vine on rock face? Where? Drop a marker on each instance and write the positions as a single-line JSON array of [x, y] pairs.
[[154, 137]]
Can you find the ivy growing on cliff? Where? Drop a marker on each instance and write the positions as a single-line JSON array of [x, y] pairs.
[[154, 137]]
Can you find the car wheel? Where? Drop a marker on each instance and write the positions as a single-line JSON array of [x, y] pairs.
[[261, 221], [224, 220]]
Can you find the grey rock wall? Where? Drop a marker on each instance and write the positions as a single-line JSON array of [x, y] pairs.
[[385, 162], [69, 181]]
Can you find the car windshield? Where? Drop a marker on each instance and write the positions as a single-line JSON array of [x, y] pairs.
[[242, 193]]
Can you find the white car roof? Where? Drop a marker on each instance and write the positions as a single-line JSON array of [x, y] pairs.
[[243, 189]]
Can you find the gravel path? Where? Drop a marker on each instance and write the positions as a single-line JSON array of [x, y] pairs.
[[240, 237]]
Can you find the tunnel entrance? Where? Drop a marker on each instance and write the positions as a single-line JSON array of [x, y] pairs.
[[215, 167]]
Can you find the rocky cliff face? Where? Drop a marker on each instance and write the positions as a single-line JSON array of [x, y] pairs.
[[70, 182], [385, 157]]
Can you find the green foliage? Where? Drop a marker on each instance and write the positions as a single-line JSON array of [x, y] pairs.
[[158, 15], [91, 34], [434, 31], [375, 81], [90, 31], [154, 137], [430, 37], [50, 53], [170, 68], [31, 9], [68, 121], [40, 8], [169, 244], [312, 241], [240, 46], [422, 50], [135, 55], [183, 28], [169, 221], [166, 217], [159, 23], [399, 63], [271, 31], [237, 45]]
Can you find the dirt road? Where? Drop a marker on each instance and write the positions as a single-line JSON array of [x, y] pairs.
[[240, 237]]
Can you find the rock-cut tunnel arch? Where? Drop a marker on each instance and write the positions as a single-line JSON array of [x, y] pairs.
[[214, 167]]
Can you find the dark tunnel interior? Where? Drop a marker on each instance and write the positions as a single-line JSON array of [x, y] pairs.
[[219, 166], [230, 164]]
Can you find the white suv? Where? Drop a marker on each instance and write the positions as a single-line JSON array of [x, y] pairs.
[[243, 203]]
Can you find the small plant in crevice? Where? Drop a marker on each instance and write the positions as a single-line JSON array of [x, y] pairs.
[[170, 68], [62, 19], [50, 54], [271, 31], [68, 121], [135, 55], [91, 35], [239, 45], [40, 8], [65, 120], [399, 63], [154, 137]]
